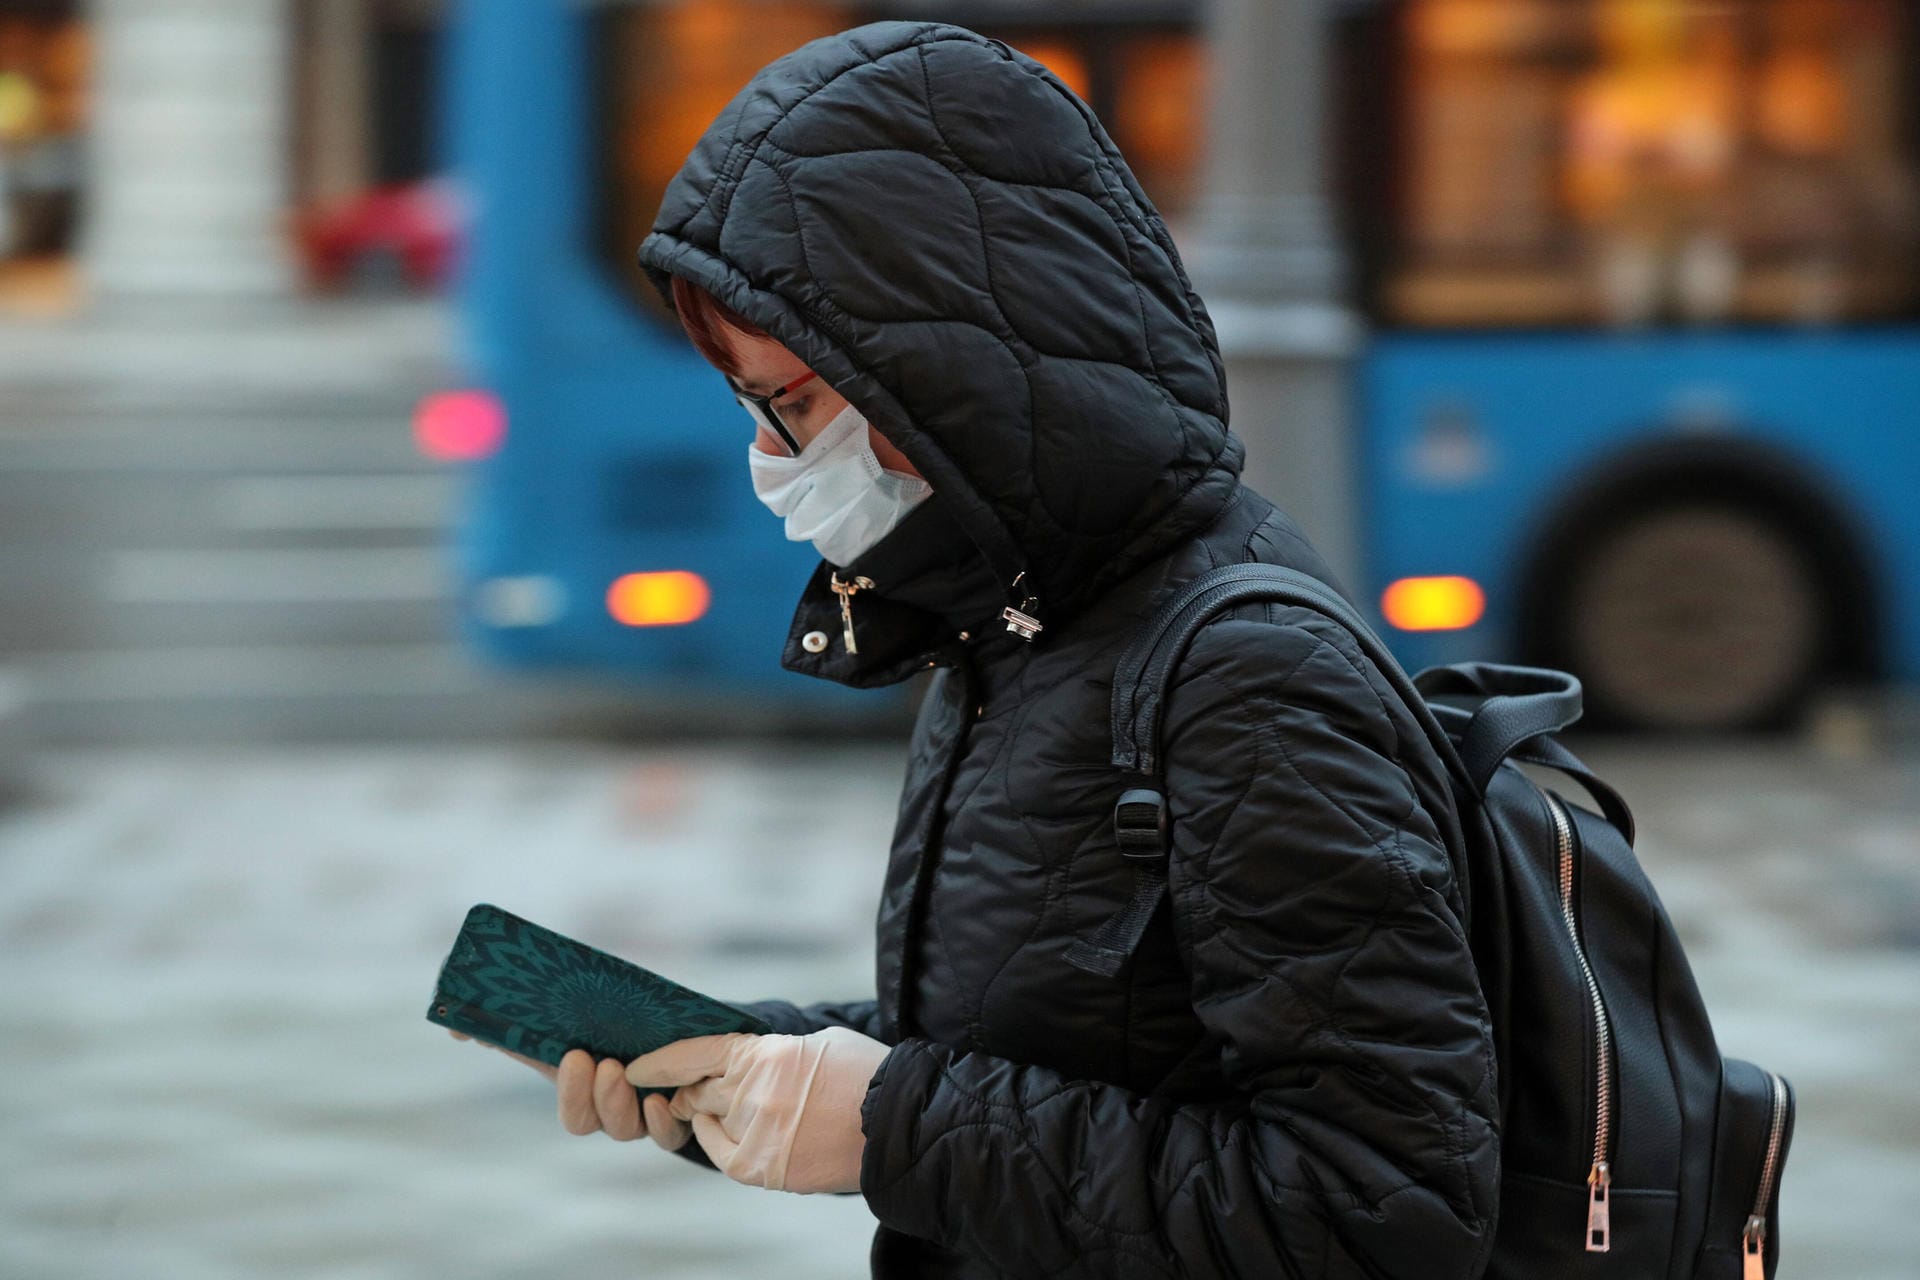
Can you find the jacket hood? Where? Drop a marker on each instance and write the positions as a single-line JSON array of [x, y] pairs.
[[942, 230]]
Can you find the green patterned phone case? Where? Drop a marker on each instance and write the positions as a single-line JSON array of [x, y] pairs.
[[538, 993]]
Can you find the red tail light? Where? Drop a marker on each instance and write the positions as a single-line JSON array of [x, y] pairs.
[[459, 426]]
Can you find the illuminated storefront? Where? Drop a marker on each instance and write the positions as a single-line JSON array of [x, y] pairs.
[[44, 58], [1651, 161], [666, 70]]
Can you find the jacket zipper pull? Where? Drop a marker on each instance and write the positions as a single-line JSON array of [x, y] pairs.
[[845, 591], [1021, 621], [1599, 1180], [1753, 1243]]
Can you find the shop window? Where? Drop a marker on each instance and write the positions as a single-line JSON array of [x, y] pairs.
[[1576, 162], [667, 69], [44, 59]]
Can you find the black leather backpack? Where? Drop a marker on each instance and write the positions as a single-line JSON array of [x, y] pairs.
[[1630, 1148]]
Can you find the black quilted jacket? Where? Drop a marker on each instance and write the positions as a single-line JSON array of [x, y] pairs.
[[1294, 1076]]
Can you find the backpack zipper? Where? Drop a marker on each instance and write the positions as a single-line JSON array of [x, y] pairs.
[[1753, 1240], [1600, 1176], [845, 591]]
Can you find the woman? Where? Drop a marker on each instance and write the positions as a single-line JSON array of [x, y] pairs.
[[925, 261]]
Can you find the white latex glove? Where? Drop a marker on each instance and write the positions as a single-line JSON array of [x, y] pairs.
[[774, 1111]]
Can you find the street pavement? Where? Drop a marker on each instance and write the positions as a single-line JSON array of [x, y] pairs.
[[214, 1061]]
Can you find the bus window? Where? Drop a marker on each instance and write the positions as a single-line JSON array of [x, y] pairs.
[[667, 69], [1584, 162], [1159, 116]]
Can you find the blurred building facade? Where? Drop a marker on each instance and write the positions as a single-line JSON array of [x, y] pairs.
[[213, 517], [183, 148]]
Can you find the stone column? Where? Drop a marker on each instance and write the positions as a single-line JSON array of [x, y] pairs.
[[1266, 261], [189, 145], [336, 111]]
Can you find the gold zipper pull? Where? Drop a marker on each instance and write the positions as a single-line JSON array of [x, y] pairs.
[[1753, 1243], [845, 591], [1599, 1180]]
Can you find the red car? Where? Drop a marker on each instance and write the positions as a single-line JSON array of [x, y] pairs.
[[405, 230]]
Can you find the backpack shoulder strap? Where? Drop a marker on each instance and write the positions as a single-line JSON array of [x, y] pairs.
[[1145, 670], [1140, 684]]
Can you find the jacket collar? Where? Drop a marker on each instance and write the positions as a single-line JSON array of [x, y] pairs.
[[932, 594]]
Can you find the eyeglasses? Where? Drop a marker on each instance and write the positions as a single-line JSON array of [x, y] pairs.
[[761, 407]]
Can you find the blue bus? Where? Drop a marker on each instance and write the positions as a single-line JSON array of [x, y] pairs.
[[1640, 399], [1642, 282]]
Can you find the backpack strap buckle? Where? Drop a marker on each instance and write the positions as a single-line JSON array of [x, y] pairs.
[[1140, 828], [1140, 824]]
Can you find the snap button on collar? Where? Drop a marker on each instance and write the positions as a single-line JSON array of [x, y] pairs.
[[814, 641]]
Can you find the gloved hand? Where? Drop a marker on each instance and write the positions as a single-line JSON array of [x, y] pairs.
[[774, 1111], [594, 1097]]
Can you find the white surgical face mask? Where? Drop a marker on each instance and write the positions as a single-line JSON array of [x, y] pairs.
[[836, 494]]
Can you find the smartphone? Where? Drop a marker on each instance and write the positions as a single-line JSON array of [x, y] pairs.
[[514, 984]]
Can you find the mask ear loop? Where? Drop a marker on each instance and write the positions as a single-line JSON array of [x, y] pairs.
[[845, 433]]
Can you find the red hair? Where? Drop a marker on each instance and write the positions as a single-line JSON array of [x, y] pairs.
[[703, 316]]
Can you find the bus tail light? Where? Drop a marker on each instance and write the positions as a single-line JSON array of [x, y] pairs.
[[662, 599], [1433, 604], [459, 426]]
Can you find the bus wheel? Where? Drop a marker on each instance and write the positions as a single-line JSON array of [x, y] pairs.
[[1693, 616]]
